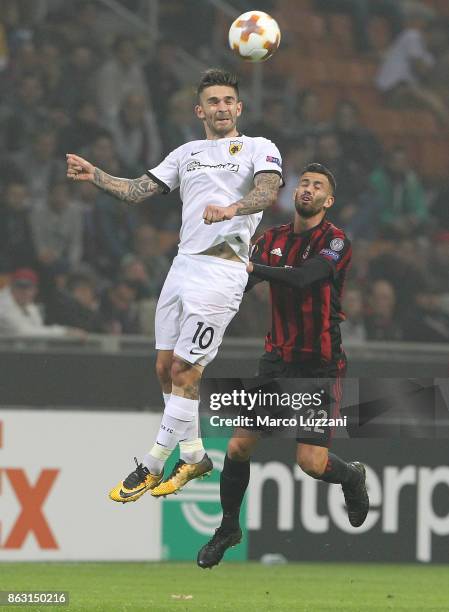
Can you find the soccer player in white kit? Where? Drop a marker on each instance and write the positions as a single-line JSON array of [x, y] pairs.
[[225, 182]]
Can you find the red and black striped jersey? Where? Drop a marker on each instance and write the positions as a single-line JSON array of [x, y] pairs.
[[306, 321]]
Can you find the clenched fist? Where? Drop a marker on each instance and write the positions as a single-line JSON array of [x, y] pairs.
[[78, 169], [214, 214]]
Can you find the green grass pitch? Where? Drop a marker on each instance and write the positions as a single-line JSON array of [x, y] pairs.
[[305, 587]]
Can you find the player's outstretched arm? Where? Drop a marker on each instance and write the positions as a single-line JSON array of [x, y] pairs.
[[262, 196], [314, 270], [129, 190]]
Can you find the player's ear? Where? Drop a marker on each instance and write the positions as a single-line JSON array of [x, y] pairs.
[[239, 108], [329, 202], [199, 112]]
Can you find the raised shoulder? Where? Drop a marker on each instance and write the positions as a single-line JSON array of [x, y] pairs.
[[261, 140], [261, 143], [187, 146], [332, 231]]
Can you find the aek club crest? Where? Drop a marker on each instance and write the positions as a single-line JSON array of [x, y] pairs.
[[235, 146]]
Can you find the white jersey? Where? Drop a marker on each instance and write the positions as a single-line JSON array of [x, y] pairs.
[[218, 172]]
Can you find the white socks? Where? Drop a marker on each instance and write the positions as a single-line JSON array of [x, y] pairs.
[[156, 458], [182, 408], [179, 422], [192, 451], [190, 445]]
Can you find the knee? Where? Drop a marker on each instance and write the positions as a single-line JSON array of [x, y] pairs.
[[313, 461], [238, 450], [183, 373]]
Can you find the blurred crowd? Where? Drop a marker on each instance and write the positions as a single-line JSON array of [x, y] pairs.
[[73, 80]]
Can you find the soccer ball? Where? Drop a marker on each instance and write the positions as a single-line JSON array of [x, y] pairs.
[[254, 36]]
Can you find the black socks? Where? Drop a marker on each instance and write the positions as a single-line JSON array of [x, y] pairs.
[[339, 472], [234, 481]]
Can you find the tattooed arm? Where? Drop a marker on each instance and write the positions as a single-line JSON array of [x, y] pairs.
[[263, 195], [130, 190]]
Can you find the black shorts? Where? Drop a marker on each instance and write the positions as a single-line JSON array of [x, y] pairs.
[[272, 366]]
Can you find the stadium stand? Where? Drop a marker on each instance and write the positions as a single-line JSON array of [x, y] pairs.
[[318, 55]]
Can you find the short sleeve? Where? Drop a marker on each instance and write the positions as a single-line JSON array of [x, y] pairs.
[[337, 251], [166, 174], [267, 158]]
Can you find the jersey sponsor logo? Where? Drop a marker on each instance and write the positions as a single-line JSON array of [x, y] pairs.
[[235, 146], [306, 252], [337, 244], [330, 254], [274, 160], [196, 152], [276, 251], [196, 165]]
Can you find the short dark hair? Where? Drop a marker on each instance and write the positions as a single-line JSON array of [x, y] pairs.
[[217, 76], [321, 169]]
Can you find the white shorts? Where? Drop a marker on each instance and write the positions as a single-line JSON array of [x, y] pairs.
[[200, 296]]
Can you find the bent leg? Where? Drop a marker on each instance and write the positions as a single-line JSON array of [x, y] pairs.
[[312, 459], [319, 463]]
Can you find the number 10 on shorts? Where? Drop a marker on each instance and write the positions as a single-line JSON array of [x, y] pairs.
[[203, 336]]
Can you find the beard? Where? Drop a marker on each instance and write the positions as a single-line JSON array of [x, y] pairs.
[[308, 210], [221, 129]]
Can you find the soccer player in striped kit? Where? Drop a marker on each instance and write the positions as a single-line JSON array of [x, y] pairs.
[[305, 263]]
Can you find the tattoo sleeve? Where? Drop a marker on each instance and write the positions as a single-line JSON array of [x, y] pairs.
[[130, 190], [263, 195]]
